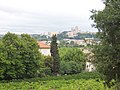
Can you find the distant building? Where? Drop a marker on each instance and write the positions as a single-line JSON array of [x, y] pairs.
[[50, 34], [44, 48], [78, 42], [73, 32], [89, 65], [89, 40]]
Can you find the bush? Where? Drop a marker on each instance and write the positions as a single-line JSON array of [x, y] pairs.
[[70, 67], [84, 75], [73, 84], [72, 60]]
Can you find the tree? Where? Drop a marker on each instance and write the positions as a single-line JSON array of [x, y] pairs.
[[13, 66], [2, 61], [62, 35], [72, 60], [55, 55], [72, 54], [30, 56], [48, 62], [70, 67], [19, 57], [107, 53]]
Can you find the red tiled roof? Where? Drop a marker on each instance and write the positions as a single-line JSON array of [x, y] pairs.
[[43, 45]]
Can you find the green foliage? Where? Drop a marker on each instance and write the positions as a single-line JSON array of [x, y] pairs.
[[19, 57], [72, 60], [30, 56], [85, 35], [39, 37], [55, 85], [70, 67], [115, 87], [71, 54], [48, 62], [55, 55], [62, 35], [12, 59], [84, 75], [2, 61], [82, 81], [107, 53]]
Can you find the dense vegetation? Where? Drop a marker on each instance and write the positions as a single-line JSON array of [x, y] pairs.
[[72, 60], [68, 63], [19, 57], [83, 75], [70, 82], [55, 85], [107, 53]]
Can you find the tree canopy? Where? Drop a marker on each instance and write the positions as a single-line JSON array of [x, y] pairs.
[[107, 53], [72, 60], [19, 56]]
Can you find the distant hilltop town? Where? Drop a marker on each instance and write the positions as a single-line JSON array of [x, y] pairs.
[[75, 31], [71, 33], [73, 37]]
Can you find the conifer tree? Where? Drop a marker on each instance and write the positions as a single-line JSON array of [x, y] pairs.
[[55, 56]]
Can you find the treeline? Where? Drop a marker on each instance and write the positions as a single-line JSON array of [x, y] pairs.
[[79, 36], [20, 58], [63, 35]]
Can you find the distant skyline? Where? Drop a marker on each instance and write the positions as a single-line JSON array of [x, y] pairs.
[[38, 16]]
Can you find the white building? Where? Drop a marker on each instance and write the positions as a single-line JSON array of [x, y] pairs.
[[90, 67], [73, 32], [44, 48]]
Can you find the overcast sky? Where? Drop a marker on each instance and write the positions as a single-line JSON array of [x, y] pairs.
[[38, 16]]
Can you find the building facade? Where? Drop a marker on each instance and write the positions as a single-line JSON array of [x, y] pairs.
[[44, 48]]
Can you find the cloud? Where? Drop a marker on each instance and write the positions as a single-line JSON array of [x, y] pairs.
[[35, 16]]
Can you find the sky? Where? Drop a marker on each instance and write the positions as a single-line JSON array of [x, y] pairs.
[[38, 16]]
